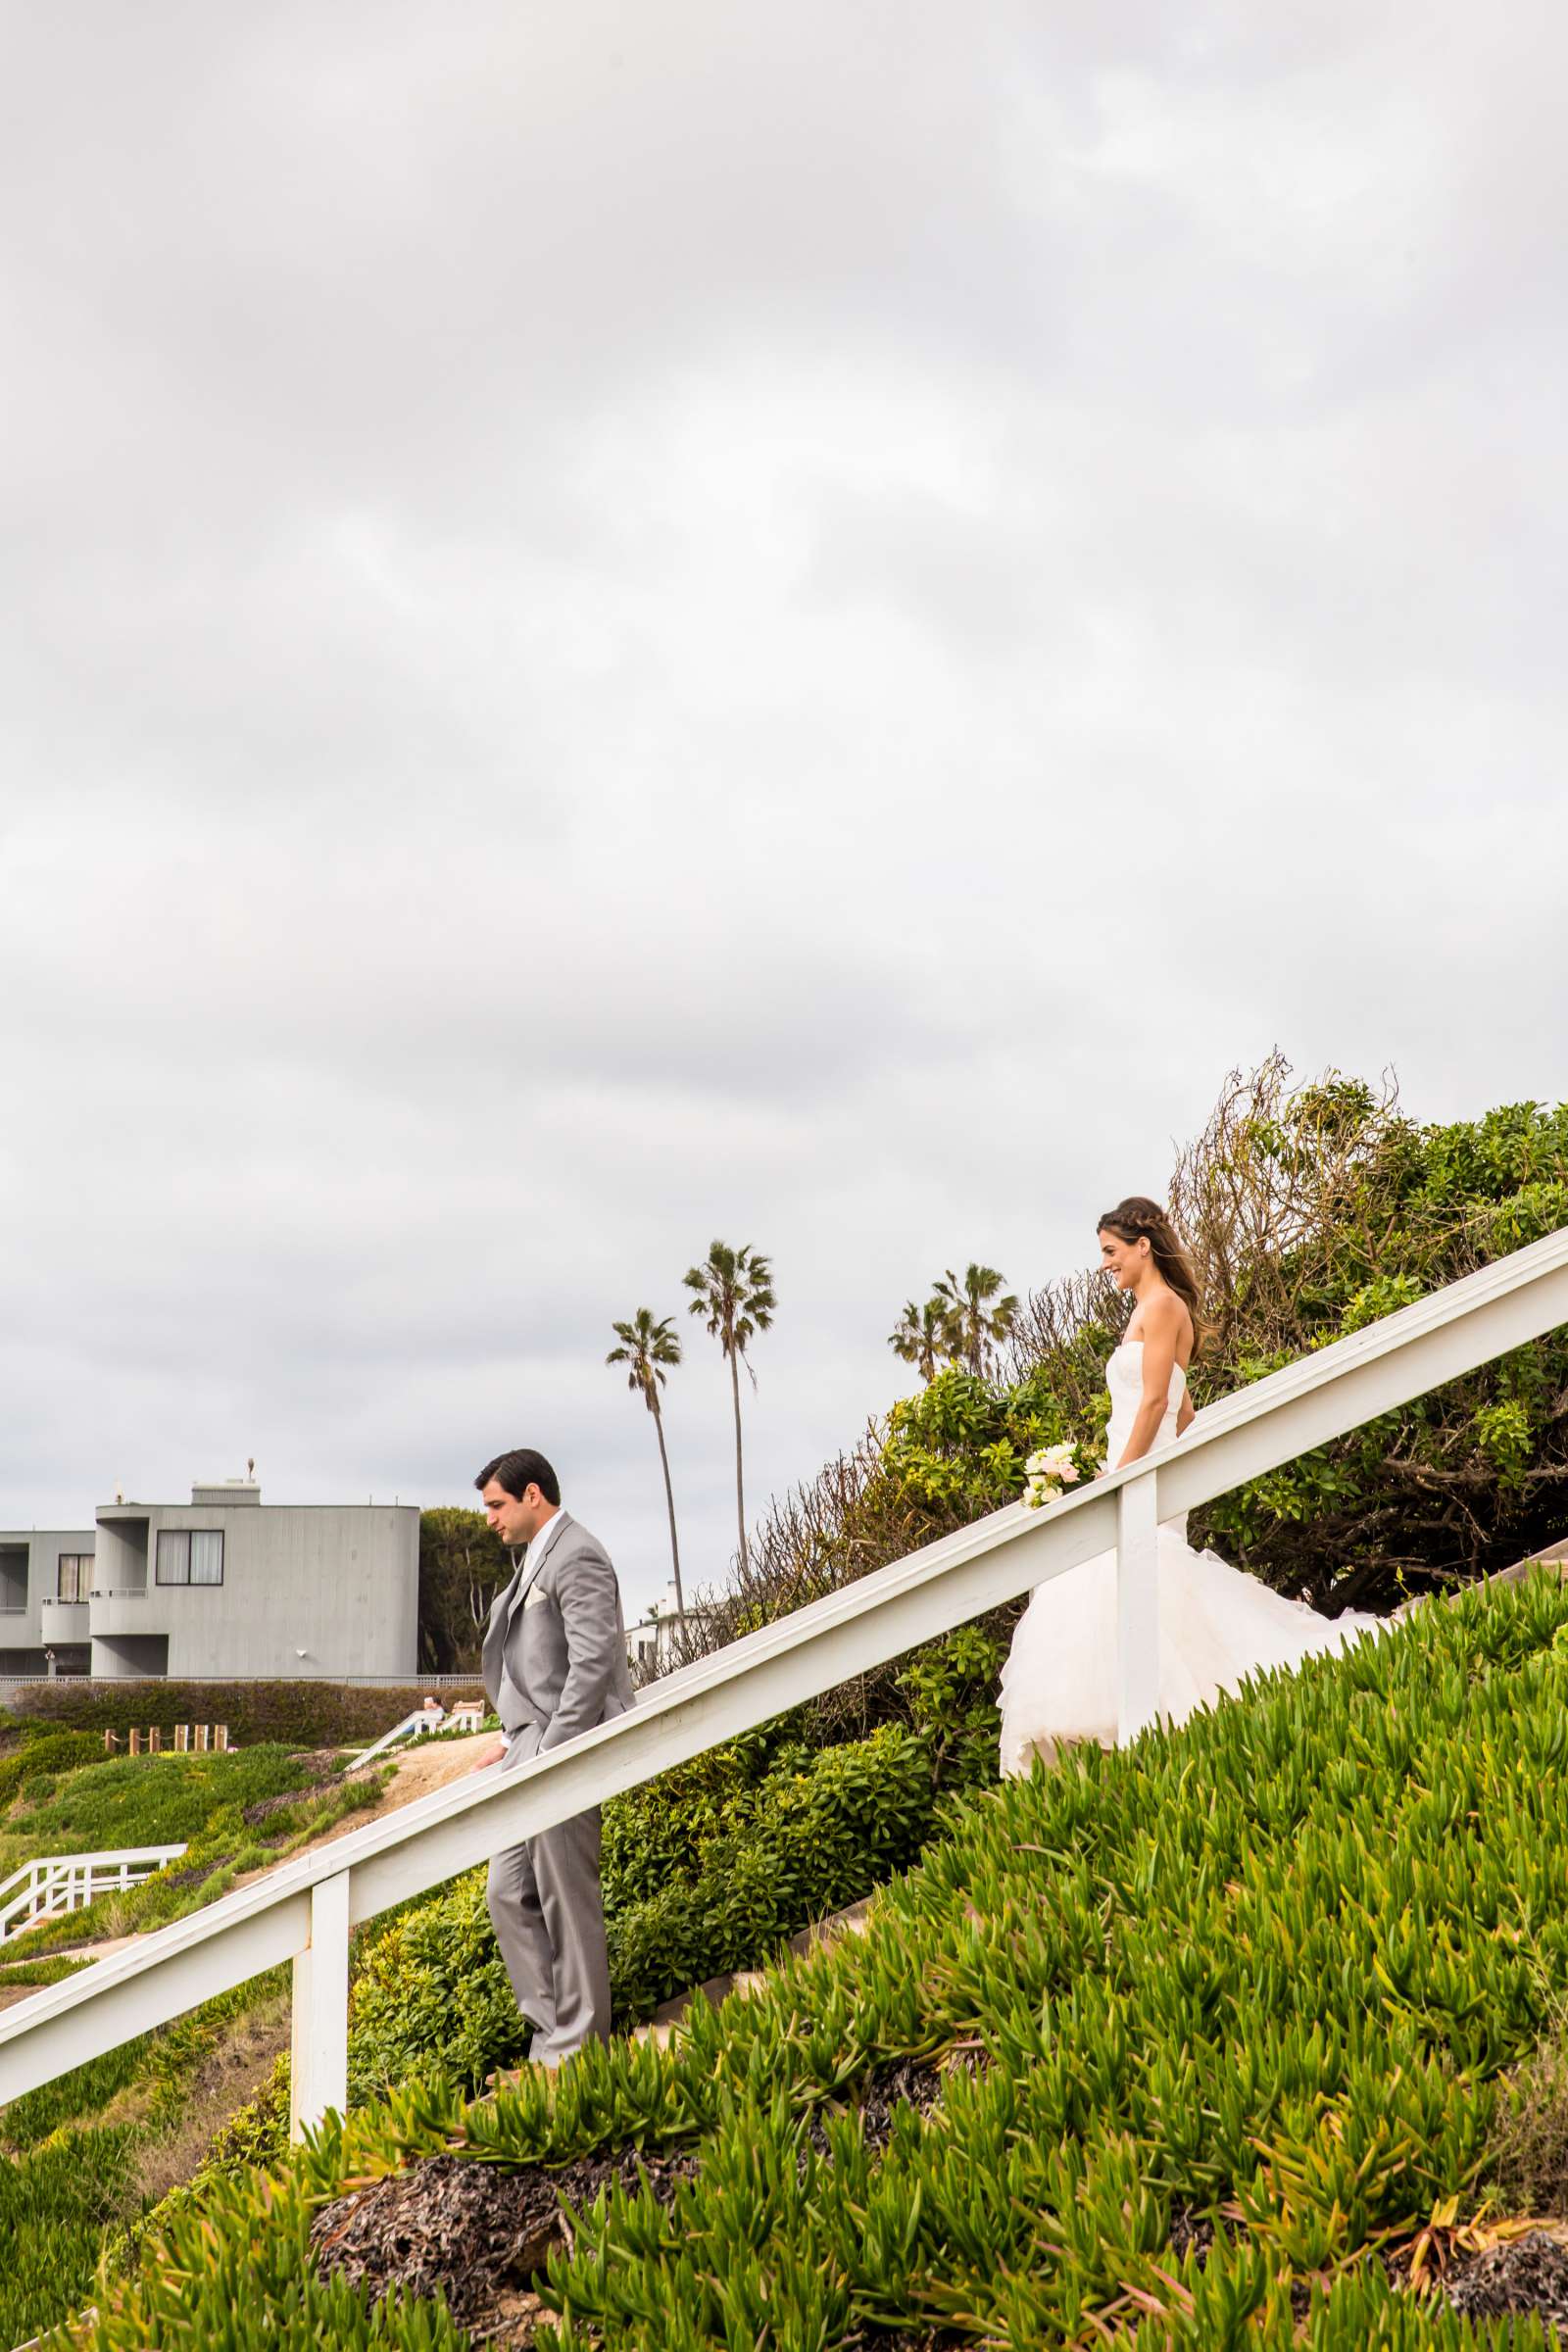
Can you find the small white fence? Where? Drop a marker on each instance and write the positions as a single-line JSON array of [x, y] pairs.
[[62, 1883], [304, 1910]]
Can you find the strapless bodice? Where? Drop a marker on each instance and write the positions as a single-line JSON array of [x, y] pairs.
[[1124, 1377], [1216, 1624]]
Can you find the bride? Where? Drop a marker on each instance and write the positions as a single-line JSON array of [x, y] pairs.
[[1216, 1623]]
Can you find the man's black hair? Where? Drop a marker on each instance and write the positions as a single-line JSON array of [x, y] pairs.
[[518, 1470]]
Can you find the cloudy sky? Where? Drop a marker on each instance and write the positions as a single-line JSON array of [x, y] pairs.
[[628, 623]]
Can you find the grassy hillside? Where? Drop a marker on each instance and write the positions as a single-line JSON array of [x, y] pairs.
[[101, 1803], [232, 1813], [1200, 2044], [705, 1869], [91, 2151]]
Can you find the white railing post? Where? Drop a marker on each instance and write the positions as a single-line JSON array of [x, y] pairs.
[[318, 2036], [1137, 1608]]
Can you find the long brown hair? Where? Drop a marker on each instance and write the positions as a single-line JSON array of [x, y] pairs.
[[1137, 1219]]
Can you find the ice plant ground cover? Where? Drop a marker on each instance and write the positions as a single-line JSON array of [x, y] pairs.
[[708, 1868], [1267, 1974]]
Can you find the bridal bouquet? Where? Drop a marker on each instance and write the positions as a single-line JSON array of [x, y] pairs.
[[1048, 1472]]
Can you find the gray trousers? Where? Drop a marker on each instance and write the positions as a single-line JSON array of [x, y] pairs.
[[548, 1917]]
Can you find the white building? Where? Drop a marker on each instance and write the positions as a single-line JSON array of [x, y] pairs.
[[651, 1642], [215, 1587]]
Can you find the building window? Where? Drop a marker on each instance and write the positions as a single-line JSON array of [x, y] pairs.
[[13, 1577], [74, 1581], [190, 1555]]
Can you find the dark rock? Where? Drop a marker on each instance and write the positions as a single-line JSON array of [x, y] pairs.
[[1528, 2273], [910, 2339], [1191, 2232], [322, 1776], [195, 1875], [900, 2082], [452, 2226]]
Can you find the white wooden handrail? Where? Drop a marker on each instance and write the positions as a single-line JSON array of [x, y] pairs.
[[56, 1882], [304, 1910]]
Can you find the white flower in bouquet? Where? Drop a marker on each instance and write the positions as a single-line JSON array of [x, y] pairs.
[[1048, 1471]]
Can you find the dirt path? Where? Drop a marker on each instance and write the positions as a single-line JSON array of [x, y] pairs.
[[429, 1765]]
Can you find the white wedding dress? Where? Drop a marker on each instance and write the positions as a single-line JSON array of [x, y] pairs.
[[1216, 1623]]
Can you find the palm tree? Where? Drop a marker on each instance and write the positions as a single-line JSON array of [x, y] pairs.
[[647, 1347], [977, 1326], [734, 1295], [923, 1335]]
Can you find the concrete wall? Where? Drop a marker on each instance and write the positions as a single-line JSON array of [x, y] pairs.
[[336, 1583], [43, 1547]]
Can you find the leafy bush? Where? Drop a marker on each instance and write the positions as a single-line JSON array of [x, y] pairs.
[[37, 1759], [1310, 1211], [1314, 1211], [301, 1714], [1268, 1970], [706, 1870]]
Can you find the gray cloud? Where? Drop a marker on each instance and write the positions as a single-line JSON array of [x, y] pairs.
[[800, 625]]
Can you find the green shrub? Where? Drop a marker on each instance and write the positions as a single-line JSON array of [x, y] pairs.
[[312, 1713], [37, 1759], [1270, 1970], [1312, 1211], [39, 1972], [706, 1870], [463, 1565]]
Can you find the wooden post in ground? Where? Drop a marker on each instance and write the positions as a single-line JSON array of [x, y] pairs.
[[111, 1742], [204, 1733], [134, 1738], [182, 1739], [220, 1737], [155, 1740]]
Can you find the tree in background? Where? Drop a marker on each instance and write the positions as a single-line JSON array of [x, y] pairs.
[[734, 1295], [1310, 1211], [922, 1336], [463, 1565], [647, 1346], [978, 1328]]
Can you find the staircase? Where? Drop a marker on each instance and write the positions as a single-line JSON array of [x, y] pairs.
[[304, 1910]]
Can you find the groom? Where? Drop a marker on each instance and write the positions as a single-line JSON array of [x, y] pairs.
[[555, 1664]]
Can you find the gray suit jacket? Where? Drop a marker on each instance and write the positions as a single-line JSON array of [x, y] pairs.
[[561, 1632]]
